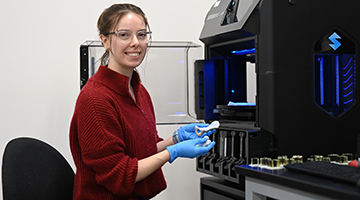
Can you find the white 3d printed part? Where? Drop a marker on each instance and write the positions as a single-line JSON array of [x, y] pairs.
[[201, 131], [205, 144]]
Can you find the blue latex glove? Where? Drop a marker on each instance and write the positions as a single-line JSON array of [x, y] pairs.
[[188, 132], [189, 149]]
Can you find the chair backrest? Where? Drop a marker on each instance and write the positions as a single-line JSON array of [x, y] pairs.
[[32, 169]]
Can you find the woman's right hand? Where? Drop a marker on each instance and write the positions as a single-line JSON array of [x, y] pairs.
[[189, 149]]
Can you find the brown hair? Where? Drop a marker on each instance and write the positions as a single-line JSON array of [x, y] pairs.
[[111, 16]]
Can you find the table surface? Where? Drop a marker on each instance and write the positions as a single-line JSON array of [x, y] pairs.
[[300, 181]]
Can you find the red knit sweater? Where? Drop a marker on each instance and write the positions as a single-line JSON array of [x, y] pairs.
[[109, 133]]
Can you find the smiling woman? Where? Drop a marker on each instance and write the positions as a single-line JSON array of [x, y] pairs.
[[113, 138], [124, 52]]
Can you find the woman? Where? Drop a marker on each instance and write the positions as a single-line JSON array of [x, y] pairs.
[[115, 146]]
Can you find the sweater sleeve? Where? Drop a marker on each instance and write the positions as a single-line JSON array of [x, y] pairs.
[[101, 141]]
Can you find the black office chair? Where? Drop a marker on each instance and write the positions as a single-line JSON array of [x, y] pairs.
[[32, 169]]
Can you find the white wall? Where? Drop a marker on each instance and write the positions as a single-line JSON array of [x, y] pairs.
[[39, 77]]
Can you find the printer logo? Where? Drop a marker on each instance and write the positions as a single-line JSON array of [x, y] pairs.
[[335, 73], [334, 38]]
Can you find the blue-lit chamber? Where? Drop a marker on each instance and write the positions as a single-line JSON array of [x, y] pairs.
[[335, 82]]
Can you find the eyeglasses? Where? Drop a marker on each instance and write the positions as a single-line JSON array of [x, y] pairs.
[[127, 36]]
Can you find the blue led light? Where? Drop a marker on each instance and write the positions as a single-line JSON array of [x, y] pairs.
[[240, 104], [348, 66], [348, 86], [348, 71], [348, 78], [244, 51], [337, 65], [321, 80], [351, 100], [346, 95]]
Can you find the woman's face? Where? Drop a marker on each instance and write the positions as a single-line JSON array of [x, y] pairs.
[[125, 55]]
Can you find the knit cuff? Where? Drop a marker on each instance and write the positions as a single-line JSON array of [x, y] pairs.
[[176, 136]]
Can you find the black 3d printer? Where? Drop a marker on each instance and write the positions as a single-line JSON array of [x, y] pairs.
[[305, 54]]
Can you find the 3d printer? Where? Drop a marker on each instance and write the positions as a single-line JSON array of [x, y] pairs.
[[305, 55]]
